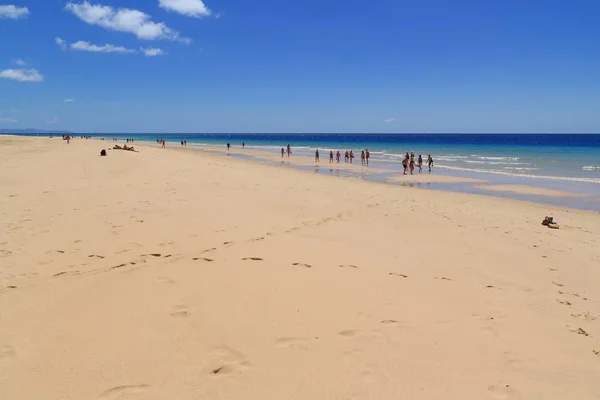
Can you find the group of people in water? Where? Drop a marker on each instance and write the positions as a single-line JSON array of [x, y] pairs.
[[408, 163], [365, 156]]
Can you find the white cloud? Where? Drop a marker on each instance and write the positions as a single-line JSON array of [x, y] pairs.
[[13, 12], [107, 48], [69, 100], [52, 121], [20, 63], [189, 8], [61, 42], [152, 52], [123, 20], [22, 75], [388, 120], [7, 121]]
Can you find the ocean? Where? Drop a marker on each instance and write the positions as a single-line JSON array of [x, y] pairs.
[[568, 162]]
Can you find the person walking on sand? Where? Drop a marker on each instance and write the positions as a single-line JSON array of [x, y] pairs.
[[282, 152], [412, 164], [346, 156], [351, 156], [243, 145], [367, 156], [338, 156], [289, 150], [362, 157], [420, 163], [330, 157], [228, 146], [405, 162], [163, 143], [317, 156], [429, 162]]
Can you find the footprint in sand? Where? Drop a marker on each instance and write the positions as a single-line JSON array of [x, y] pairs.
[[391, 322], [5, 253], [203, 258], [587, 316], [165, 279], [558, 284], [95, 256], [596, 352], [118, 391], [580, 331], [229, 361], [348, 266], [358, 333], [66, 273], [564, 302], [302, 265], [7, 352], [443, 278], [292, 343], [502, 392], [397, 274], [180, 311], [252, 259]]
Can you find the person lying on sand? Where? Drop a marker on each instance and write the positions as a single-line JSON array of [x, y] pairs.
[[125, 147]]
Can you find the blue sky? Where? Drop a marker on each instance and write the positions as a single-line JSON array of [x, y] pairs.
[[300, 66]]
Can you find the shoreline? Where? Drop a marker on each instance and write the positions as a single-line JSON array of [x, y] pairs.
[[446, 181]]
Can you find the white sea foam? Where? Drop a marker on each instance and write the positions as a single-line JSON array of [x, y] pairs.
[[498, 172], [591, 168]]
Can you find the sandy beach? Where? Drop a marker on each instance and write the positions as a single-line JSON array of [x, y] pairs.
[[193, 275]]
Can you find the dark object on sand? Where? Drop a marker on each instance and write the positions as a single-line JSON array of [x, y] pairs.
[[549, 222], [103, 152]]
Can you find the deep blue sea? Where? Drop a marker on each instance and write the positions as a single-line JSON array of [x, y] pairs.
[[558, 161]]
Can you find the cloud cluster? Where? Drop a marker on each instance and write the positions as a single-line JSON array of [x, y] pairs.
[[124, 20], [388, 120], [13, 12], [69, 100], [82, 45], [61, 43], [152, 52], [22, 75], [7, 121], [189, 8], [21, 63], [106, 48]]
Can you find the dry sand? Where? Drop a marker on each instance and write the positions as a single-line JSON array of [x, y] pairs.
[[528, 189], [177, 275]]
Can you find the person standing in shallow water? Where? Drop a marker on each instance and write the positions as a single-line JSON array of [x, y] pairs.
[[351, 156], [405, 162], [330, 157], [367, 156], [420, 163], [362, 157], [282, 152], [429, 162], [289, 150], [228, 146], [317, 156]]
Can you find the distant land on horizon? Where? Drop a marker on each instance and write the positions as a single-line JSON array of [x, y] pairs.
[[32, 130]]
